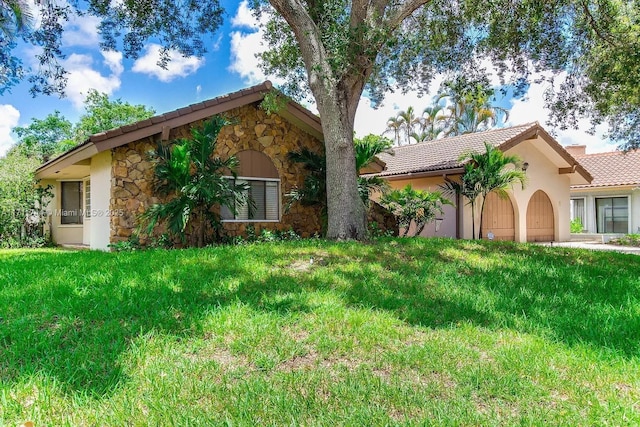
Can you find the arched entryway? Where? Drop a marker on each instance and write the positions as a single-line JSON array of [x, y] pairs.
[[540, 223], [498, 218]]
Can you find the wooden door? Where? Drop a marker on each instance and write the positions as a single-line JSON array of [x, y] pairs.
[[540, 224], [498, 218]]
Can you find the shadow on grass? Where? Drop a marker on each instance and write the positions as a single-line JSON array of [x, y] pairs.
[[73, 315]]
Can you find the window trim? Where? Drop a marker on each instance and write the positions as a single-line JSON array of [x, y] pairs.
[[254, 178], [80, 222], [584, 211], [621, 196]]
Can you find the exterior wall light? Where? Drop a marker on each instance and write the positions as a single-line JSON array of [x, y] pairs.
[[525, 166]]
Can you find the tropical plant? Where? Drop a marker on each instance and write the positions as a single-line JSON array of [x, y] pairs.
[[485, 173], [394, 125], [314, 191], [409, 206], [432, 121], [195, 182], [469, 107], [408, 120]]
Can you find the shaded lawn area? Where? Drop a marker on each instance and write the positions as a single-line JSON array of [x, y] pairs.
[[400, 331]]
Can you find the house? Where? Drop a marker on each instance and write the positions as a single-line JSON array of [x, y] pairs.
[[102, 185], [609, 206], [539, 212]]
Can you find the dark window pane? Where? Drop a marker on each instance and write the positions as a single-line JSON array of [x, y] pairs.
[[71, 202]]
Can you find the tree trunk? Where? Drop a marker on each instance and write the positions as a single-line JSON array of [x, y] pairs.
[[345, 210], [484, 198]]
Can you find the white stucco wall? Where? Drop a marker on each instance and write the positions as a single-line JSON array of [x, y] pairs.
[[590, 196], [100, 227]]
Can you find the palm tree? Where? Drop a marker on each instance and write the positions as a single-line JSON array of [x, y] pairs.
[[195, 181], [367, 149], [420, 137], [486, 173], [470, 107], [418, 206], [432, 121], [408, 122], [15, 17], [394, 124]]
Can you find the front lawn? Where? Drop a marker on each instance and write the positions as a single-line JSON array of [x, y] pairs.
[[400, 331]]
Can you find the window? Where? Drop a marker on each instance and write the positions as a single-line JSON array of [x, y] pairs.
[[612, 214], [265, 195], [87, 199], [577, 211], [71, 202]]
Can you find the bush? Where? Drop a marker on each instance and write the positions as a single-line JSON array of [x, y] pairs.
[[576, 225], [22, 202], [628, 240]]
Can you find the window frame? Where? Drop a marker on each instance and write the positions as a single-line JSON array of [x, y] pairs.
[[80, 215], [582, 217], [612, 206], [253, 178]]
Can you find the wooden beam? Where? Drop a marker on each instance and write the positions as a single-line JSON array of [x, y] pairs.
[[165, 133], [563, 171]]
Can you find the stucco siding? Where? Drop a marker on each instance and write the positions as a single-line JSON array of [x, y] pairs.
[[448, 227], [541, 175], [100, 201], [61, 234]]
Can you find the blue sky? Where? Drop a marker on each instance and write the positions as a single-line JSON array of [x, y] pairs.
[[230, 65]]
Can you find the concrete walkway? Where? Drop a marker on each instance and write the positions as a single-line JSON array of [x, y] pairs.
[[596, 247]]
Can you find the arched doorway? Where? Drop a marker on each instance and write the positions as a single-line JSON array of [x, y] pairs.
[[540, 223], [498, 218]]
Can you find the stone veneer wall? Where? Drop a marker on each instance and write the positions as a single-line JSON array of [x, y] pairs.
[[132, 173]]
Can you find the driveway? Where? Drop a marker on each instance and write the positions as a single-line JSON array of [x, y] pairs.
[[596, 247]]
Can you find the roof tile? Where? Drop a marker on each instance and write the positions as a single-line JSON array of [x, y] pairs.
[[443, 154], [612, 168]]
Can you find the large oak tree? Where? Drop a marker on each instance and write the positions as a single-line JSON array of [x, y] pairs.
[[338, 49]]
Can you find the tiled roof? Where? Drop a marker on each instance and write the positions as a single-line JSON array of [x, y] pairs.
[[124, 134], [611, 169], [443, 154]]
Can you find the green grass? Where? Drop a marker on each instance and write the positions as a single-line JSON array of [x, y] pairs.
[[410, 332]]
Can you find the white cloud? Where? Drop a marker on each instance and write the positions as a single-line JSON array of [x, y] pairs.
[[243, 61], [82, 76], [246, 44], [81, 31], [532, 108], [178, 66], [9, 117], [244, 17]]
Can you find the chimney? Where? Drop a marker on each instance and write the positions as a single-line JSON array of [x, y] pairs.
[[576, 150]]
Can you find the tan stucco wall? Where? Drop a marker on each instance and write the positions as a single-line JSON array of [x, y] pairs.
[[100, 200], [448, 226], [272, 135], [542, 174]]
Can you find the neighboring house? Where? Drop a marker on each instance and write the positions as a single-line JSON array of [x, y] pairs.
[[610, 204], [539, 212], [102, 185]]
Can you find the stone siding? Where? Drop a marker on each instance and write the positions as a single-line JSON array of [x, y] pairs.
[[132, 172]]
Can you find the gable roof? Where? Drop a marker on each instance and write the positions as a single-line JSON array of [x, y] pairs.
[[433, 158], [162, 123], [615, 168]]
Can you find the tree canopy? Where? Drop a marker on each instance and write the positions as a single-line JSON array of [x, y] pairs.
[[55, 134], [181, 25], [334, 50]]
